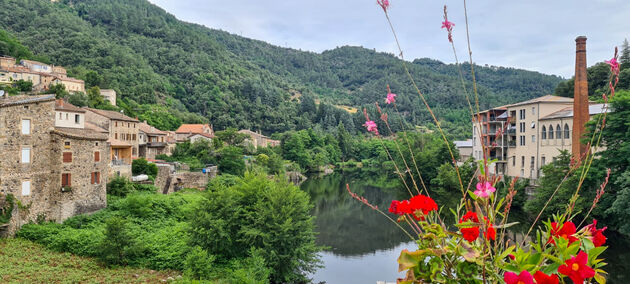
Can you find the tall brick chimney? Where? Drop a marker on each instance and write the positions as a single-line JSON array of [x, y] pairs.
[[580, 98]]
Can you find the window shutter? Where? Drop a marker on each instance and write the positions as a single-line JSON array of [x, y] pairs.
[[98, 178], [92, 178], [97, 156], [67, 157], [69, 179]]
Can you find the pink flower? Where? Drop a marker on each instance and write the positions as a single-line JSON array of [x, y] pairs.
[[484, 189], [614, 66], [384, 4], [448, 25], [391, 98], [523, 278], [371, 127]]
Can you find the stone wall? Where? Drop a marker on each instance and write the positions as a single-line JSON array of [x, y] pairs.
[[168, 181]]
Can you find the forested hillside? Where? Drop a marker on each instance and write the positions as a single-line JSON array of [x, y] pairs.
[[158, 63]]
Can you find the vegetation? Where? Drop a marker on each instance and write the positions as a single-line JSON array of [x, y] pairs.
[[149, 59], [243, 230], [143, 167], [26, 262]]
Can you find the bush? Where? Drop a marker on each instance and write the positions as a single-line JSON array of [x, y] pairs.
[[199, 264], [143, 167], [120, 186], [231, 161], [118, 245], [273, 216]]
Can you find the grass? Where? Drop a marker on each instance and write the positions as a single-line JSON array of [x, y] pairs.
[[22, 261]]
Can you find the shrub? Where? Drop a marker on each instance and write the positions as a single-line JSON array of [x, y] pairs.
[[118, 245], [143, 167], [231, 161], [199, 264], [119, 186]]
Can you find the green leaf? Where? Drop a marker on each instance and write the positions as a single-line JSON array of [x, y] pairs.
[[600, 279]]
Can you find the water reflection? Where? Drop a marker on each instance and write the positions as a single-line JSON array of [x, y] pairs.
[[363, 245]]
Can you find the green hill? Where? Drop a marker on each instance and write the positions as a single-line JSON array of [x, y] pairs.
[[150, 57]]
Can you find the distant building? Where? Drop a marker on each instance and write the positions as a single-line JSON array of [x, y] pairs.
[[68, 115], [56, 171], [256, 139], [200, 136], [40, 74], [465, 149], [152, 141], [123, 137], [72, 85], [186, 130], [109, 95]]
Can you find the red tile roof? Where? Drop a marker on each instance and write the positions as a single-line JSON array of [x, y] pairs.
[[191, 128], [65, 106]]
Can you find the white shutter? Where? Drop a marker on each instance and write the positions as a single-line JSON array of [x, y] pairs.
[[26, 187], [26, 126], [26, 155]]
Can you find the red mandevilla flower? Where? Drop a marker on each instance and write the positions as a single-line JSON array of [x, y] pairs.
[[491, 234], [523, 278], [471, 233], [542, 278], [567, 230], [576, 268], [597, 235], [419, 202]]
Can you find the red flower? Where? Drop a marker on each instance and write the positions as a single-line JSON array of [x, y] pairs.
[[417, 203], [471, 233], [384, 4], [567, 230], [597, 235], [523, 278], [576, 268], [393, 208], [491, 234], [542, 278], [614, 65]]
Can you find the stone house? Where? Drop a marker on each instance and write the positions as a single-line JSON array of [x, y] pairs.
[[42, 75], [122, 137], [54, 172], [68, 115], [72, 85], [256, 139], [186, 130], [151, 141], [109, 95], [200, 136]]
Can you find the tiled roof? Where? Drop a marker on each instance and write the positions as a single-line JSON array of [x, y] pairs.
[[112, 114], [568, 112], [191, 128], [20, 100], [94, 127], [17, 69], [69, 79], [207, 135], [252, 133], [80, 133], [466, 143], [148, 129], [544, 99], [65, 106]]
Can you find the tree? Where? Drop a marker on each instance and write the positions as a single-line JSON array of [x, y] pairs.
[[93, 79], [59, 90], [625, 55], [143, 167], [95, 100], [231, 136], [231, 160], [24, 86], [119, 245], [78, 99], [270, 215]]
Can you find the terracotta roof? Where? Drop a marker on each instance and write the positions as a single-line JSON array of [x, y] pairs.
[[148, 129], [191, 128], [202, 134], [593, 109], [112, 114], [69, 79], [116, 142], [65, 106], [80, 133], [21, 100], [17, 69]]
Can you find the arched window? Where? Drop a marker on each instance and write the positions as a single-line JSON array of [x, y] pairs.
[[543, 133], [558, 132], [550, 131], [567, 135]]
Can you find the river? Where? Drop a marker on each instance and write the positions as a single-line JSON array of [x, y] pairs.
[[363, 246]]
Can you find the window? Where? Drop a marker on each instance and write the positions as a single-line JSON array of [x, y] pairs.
[[533, 125], [513, 161], [67, 157], [533, 138], [67, 116], [26, 187], [531, 163], [522, 140], [66, 180], [522, 127], [522, 161], [542, 161], [60, 117], [128, 125], [474, 141], [96, 178], [550, 131], [558, 132], [115, 135], [543, 133], [133, 137], [533, 110], [26, 126], [521, 114], [66, 144], [97, 156], [77, 119], [567, 134], [26, 155], [522, 173]]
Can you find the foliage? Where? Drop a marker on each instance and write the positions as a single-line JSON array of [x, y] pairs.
[[231, 160], [119, 186], [24, 86], [273, 216], [142, 167], [118, 245], [231, 136]]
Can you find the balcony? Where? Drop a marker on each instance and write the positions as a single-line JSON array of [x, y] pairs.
[[511, 131], [119, 163], [511, 144], [156, 144]]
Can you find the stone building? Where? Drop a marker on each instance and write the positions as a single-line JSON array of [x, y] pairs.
[[256, 139], [109, 95], [48, 169], [187, 130], [151, 141], [123, 138], [68, 115], [42, 75]]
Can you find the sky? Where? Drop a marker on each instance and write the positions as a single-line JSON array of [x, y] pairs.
[[528, 34]]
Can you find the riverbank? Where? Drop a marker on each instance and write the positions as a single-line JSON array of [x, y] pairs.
[[25, 261]]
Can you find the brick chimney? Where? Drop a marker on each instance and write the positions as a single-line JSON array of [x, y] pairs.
[[580, 98]]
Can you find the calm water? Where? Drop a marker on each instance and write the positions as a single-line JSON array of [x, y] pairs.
[[363, 245]]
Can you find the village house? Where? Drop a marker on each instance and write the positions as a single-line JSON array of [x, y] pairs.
[[123, 138], [54, 171], [109, 95], [185, 131], [256, 139], [151, 141], [465, 149], [40, 74]]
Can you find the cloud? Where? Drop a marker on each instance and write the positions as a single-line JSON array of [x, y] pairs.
[[535, 35]]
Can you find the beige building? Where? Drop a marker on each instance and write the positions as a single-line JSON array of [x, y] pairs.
[[56, 172], [42, 75], [186, 130], [109, 95], [72, 85], [123, 137], [465, 149], [256, 139], [8, 75], [151, 141], [523, 137], [68, 115]]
